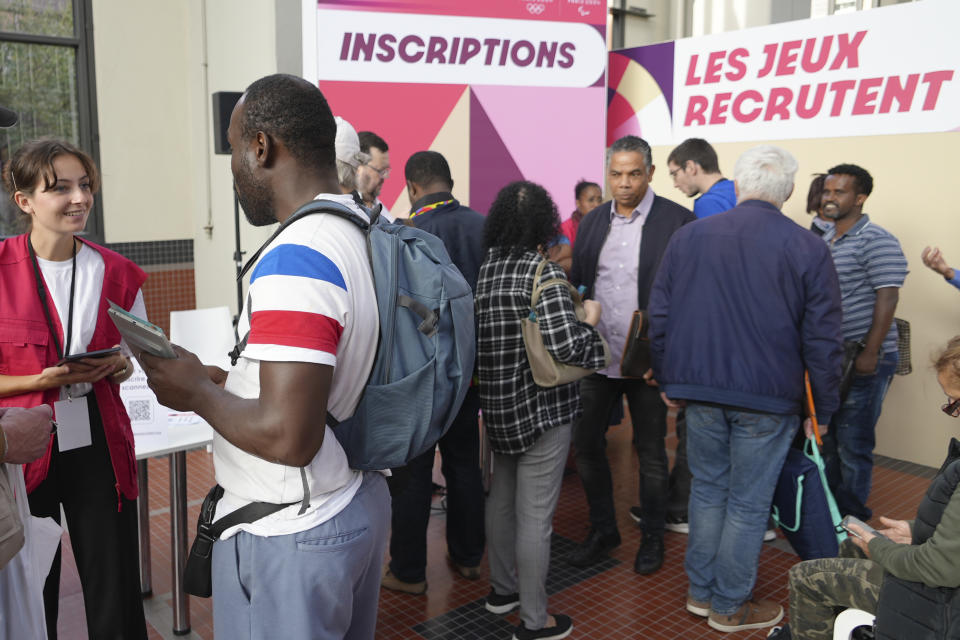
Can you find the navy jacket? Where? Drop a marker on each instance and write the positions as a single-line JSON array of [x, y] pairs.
[[742, 304], [460, 228], [665, 217]]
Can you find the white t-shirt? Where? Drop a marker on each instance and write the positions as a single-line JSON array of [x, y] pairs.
[[86, 301], [312, 300]]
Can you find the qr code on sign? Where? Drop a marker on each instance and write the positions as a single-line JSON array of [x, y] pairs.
[[140, 410]]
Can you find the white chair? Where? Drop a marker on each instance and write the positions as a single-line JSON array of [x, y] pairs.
[[206, 332], [848, 621]]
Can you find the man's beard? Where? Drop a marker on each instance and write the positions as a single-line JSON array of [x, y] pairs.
[[255, 197]]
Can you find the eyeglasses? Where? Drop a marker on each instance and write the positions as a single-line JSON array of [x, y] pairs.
[[673, 174], [952, 408], [384, 173]]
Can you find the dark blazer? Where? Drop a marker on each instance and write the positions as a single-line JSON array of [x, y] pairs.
[[666, 216]]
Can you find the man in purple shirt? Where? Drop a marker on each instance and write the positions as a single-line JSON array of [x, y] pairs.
[[618, 249]]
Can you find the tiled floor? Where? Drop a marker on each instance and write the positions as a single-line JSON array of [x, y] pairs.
[[609, 602]]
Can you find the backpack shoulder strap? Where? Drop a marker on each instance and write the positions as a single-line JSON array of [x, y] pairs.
[[314, 206]]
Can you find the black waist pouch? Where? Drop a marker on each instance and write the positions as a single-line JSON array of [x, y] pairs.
[[197, 579]]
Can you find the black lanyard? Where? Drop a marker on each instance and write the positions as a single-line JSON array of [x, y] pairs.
[[41, 290]]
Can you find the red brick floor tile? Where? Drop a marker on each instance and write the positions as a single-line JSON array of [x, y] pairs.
[[612, 605]]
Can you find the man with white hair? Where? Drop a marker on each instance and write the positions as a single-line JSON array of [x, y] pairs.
[[743, 303], [349, 157]]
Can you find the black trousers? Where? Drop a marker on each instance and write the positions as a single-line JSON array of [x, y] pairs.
[[598, 394], [460, 464], [104, 539]]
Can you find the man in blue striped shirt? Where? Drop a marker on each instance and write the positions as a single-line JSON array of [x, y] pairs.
[[871, 268]]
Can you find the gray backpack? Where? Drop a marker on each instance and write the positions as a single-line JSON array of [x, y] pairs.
[[426, 349]]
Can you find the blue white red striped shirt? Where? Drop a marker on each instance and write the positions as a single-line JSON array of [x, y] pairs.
[[311, 299]]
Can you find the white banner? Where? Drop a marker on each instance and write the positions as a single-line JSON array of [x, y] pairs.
[[406, 47], [880, 71]]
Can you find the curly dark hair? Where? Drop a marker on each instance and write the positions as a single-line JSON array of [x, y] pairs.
[[522, 218], [296, 112], [861, 177]]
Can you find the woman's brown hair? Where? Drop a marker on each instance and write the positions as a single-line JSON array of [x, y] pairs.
[[32, 164]]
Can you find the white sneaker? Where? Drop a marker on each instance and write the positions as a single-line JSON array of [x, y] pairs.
[[770, 535]]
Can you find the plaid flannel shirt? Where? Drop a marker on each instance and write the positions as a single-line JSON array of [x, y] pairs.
[[515, 410]]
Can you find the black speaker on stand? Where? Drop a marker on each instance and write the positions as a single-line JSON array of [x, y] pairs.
[[223, 104]]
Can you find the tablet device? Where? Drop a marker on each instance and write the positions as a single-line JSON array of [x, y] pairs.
[[140, 334], [101, 353]]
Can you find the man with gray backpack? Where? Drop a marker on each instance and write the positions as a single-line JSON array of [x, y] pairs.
[[351, 361]]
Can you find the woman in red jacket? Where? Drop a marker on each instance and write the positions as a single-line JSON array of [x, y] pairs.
[[54, 289]]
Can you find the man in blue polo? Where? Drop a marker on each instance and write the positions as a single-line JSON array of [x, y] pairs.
[[871, 267]]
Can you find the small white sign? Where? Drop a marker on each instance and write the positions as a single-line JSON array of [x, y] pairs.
[[148, 418]]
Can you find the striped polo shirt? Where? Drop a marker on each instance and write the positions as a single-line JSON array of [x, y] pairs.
[[867, 258]]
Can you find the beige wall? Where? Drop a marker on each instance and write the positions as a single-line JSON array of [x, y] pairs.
[[912, 178], [240, 47], [161, 178], [143, 90]]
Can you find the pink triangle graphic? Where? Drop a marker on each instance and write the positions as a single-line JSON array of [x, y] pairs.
[[491, 165], [407, 116], [555, 136]]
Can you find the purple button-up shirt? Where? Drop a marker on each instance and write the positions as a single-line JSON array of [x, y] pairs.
[[616, 283]]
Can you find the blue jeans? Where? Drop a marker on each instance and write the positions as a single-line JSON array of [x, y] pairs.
[[322, 583], [735, 457], [848, 444]]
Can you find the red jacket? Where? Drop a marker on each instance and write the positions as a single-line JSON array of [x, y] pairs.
[[26, 348]]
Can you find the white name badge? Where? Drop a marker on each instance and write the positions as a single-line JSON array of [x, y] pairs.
[[73, 423]]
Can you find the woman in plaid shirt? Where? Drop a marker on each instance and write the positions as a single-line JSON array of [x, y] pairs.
[[528, 426]]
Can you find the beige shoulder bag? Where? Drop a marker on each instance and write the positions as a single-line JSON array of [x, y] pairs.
[[547, 372]]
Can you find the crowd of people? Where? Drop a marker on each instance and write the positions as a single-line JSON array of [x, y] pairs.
[[780, 300]]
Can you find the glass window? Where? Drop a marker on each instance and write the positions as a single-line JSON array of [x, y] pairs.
[[39, 17], [46, 76]]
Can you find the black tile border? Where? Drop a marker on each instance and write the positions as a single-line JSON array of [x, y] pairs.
[[914, 469], [473, 622], [153, 252]]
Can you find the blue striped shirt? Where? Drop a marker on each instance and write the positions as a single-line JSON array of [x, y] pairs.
[[867, 258]]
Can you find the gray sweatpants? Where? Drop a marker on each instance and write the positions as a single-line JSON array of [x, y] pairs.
[[523, 497]]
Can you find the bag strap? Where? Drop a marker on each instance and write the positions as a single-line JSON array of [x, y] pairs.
[[812, 451], [244, 515], [314, 206], [538, 288], [799, 507]]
